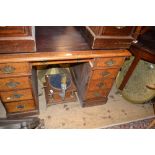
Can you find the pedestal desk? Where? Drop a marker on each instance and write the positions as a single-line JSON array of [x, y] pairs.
[[93, 67]]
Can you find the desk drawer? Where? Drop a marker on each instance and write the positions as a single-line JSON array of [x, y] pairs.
[[109, 62], [14, 68], [100, 84], [104, 73], [117, 30], [17, 95], [7, 84], [9, 31], [20, 106], [95, 94]]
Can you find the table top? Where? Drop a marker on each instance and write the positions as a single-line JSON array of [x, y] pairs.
[[60, 38], [61, 43]]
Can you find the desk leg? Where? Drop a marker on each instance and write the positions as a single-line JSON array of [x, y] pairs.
[[129, 72]]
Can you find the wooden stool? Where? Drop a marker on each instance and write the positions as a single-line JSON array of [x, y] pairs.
[[140, 52], [144, 50]]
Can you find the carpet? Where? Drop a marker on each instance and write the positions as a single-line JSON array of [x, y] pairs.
[[137, 124]]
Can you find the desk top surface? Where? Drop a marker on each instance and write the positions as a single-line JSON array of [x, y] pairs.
[[60, 38], [60, 43]]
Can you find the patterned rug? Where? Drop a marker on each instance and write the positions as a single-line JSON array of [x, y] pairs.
[[138, 124]]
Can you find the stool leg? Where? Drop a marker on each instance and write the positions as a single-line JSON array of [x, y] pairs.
[[153, 102], [154, 108], [129, 72]]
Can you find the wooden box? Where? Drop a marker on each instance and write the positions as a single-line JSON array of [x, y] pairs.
[[110, 37], [17, 39], [52, 94]]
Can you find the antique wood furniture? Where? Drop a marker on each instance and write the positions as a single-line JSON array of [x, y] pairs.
[[53, 90], [144, 49], [18, 90], [94, 71], [17, 39], [111, 37], [140, 52], [95, 78]]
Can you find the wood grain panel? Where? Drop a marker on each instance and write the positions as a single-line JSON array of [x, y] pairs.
[[16, 95], [9, 69], [7, 84], [104, 73], [100, 84], [10, 31], [96, 94], [20, 106], [58, 56], [109, 62]]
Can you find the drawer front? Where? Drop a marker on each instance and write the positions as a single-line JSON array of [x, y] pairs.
[[56, 98], [14, 68], [109, 62], [104, 73], [97, 94], [112, 30], [117, 30], [10, 31], [17, 95], [100, 84], [20, 106], [7, 84]]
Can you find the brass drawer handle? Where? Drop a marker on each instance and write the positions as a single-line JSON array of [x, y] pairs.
[[100, 85], [110, 62], [20, 106], [15, 96], [105, 74], [120, 27], [96, 94], [12, 84], [7, 69]]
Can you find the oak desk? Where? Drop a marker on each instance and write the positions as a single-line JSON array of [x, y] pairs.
[[94, 70]]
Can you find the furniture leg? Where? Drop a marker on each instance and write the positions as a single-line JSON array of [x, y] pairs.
[[129, 72]]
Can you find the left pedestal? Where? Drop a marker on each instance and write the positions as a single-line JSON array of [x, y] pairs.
[[17, 89]]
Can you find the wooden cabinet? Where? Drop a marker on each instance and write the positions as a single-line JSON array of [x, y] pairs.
[[110, 37], [17, 92], [94, 80], [17, 39]]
